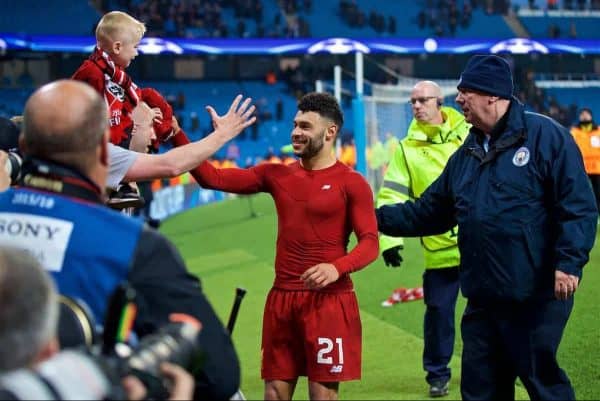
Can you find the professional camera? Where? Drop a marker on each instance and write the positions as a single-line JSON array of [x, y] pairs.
[[9, 142], [85, 373], [13, 166], [176, 343]]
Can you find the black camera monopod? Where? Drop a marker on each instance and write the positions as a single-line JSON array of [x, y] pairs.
[[239, 295]]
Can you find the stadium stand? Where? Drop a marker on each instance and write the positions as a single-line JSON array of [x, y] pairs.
[[298, 18], [49, 18], [561, 27], [219, 94], [290, 18], [476, 18]]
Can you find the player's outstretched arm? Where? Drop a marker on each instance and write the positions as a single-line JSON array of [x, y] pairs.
[[188, 155]]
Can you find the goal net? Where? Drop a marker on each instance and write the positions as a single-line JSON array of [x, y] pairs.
[[387, 116]]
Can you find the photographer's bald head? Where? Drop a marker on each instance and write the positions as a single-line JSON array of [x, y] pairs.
[[66, 121]]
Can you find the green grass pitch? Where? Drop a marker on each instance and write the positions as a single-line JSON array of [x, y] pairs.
[[227, 248]]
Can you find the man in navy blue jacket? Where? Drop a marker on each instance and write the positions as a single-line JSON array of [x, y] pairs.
[[527, 221]]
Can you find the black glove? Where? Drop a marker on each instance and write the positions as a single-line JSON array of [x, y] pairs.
[[392, 257]]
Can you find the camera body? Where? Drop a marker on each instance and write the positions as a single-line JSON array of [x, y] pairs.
[[9, 142], [13, 166], [176, 343], [86, 373]]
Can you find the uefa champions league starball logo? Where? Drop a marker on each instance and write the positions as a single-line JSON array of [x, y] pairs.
[[338, 46], [519, 46], [158, 46]]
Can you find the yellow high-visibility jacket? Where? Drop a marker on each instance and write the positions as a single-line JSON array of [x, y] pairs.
[[418, 161]]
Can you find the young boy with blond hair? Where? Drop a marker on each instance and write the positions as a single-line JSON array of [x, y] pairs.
[[117, 37]]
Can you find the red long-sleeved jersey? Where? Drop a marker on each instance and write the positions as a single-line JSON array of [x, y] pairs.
[[317, 210]]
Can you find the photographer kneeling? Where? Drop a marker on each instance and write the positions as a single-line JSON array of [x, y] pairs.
[[28, 340]]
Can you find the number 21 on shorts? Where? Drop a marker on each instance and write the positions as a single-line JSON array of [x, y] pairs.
[[326, 352]]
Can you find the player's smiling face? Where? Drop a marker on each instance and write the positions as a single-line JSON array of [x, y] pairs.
[[308, 135]]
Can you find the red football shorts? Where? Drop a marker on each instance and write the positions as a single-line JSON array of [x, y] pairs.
[[311, 333]]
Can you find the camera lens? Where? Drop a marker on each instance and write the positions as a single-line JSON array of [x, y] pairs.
[[13, 166]]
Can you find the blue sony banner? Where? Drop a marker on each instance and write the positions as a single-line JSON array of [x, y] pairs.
[[78, 44]]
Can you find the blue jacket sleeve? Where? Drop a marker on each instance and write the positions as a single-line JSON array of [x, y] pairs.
[[431, 214], [574, 207]]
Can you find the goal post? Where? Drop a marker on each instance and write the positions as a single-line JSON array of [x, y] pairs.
[[381, 119]]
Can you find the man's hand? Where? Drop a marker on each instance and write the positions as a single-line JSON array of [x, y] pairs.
[[134, 388], [392, 257], [236, 119], [319, 276], [183, 382], [565, 285]]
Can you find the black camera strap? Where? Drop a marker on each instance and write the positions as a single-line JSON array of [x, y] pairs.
[[50, 176], [50, 386]]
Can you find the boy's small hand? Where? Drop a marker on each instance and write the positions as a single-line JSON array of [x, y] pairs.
[[158, 115]]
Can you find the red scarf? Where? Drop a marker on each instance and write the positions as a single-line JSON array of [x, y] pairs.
[[116, 73]]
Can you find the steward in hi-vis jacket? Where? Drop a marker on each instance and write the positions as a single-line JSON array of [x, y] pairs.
[[433, 136]]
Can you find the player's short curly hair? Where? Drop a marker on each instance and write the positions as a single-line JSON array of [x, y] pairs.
[[324, 104]]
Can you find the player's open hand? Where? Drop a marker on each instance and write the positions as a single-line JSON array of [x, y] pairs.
[[319, 276], [239, 116], [565, 285], [182, 381]]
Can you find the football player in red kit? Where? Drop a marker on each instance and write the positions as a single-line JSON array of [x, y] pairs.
[[311, 323]]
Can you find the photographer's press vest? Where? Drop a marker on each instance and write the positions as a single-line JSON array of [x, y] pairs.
[[86, 247]]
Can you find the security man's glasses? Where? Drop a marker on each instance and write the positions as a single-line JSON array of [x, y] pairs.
[[421, 100]]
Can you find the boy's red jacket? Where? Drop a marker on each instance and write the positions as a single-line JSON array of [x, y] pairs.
[[119, 92]]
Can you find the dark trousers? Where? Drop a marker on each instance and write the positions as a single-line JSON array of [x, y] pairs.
[[501, 344], [440, 288]]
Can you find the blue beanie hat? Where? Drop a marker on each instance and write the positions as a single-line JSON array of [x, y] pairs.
[[488, 74]]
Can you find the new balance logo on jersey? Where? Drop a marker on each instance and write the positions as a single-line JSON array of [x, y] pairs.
[[336, 369], [326, 186]]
